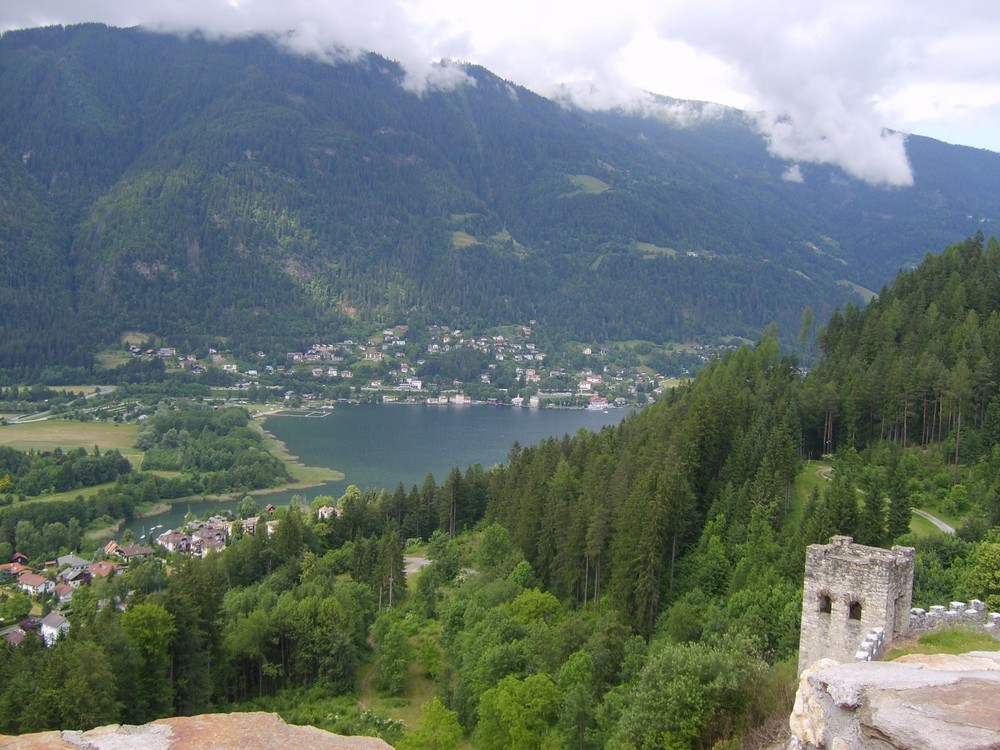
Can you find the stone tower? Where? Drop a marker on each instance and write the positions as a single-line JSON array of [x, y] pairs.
[[849, 590]]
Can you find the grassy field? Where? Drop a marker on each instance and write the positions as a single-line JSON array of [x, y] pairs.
[[48, 434], [112, 358], [135, 338], [921, 527], [812, 477], [44, 435], [462, 239], [586, 185], [948, 641], [673, 382], [950, 519], [651, 251], [866, 294], [85, 388], [809, 479], [71, 494]]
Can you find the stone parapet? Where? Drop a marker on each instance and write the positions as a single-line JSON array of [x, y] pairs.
[[971, 613], [872, 647]]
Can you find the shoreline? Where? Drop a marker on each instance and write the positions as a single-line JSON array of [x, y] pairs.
[[315, 476], [308, 476]]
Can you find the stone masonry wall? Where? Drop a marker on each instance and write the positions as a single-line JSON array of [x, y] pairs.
[[956, 613], [850, 591], [971, 615]]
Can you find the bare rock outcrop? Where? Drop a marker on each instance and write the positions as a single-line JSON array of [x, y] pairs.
[[937, 702], [238, 731]]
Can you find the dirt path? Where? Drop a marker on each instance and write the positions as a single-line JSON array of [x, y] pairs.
[[825, 471], [936, 521], [414, 564], [366, 688]]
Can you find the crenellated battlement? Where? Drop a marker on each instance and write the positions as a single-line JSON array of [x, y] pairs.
[[956, 613]]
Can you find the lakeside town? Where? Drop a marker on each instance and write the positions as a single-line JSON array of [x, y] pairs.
[[39, 598], [443, 364]]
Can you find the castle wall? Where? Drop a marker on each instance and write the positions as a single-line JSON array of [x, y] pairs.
[[851, 590], [972, 614]]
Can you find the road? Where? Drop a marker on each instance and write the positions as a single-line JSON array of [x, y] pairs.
[[824, 471], [935, 520], [102, 390]]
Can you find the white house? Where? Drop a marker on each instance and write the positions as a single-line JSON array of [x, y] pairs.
[[174, 541], [34, 584], [54, 625]]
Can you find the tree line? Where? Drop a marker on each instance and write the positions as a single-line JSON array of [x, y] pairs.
[[634, 588]]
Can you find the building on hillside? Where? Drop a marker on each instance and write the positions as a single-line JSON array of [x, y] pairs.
[[34, 584], [64, 592], [13, 569], [131, 552], [54, 626], [75, 577], [174, 541], [203, 546], [104, 569], [73, 562], [328, 511], [849, 590]]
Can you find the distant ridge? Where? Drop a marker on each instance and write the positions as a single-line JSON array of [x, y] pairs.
[[206, 190]]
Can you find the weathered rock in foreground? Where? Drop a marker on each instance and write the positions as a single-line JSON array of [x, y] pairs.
[[246, 731], [934, 702]]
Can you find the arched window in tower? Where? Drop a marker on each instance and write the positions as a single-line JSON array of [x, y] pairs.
[[854, 611], [825, 604]]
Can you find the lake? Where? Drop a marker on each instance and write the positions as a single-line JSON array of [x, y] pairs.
[[381, 445]]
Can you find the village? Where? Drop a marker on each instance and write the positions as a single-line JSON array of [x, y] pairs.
[[445, 364], [45, 592]]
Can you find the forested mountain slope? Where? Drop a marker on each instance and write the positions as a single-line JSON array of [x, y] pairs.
[[197, 190], [632, 512], [634, 588], [683, 521]]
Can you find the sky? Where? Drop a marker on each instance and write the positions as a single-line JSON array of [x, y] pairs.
[[827, 81]]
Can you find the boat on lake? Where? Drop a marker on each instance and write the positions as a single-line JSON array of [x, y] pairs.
[[598, 403]]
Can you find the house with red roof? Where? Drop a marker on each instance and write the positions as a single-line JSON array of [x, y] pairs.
[[14, 568], [64, 592], [34, 584], [104, 569]]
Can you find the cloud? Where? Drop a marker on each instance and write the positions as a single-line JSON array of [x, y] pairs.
[[814, 76], [825, 78], [793, 174], [860, 148]]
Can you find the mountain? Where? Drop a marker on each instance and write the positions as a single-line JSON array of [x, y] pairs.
[[202, 190]]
